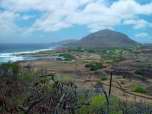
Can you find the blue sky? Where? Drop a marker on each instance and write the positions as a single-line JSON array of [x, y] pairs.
[[43, 21]]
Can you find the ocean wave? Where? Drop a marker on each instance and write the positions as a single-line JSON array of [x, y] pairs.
[[34, 51], [5, 54], [17, 56], [9, 57]]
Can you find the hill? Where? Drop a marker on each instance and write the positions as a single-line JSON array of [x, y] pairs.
[[105, 39]]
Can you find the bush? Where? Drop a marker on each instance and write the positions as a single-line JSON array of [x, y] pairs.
[[95, 105], [97, 102], [66, 56], [139, 89], [9, 69], [103, 78], [94, 66]]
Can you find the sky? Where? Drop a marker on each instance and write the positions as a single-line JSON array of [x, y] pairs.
[[44, 21]]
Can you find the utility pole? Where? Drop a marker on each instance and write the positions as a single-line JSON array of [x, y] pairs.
[[110, 83]]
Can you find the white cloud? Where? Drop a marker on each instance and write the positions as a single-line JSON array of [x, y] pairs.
[[8, 26], [95, 14], [138, 23], [7, 22], [142, 35], [131, 7]]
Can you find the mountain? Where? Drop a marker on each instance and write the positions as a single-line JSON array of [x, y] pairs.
[[105, 39], [65, 42], [62, 43]]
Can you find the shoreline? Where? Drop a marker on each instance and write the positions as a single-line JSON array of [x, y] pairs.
[[21, 56]]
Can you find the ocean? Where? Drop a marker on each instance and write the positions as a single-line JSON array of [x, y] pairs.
[[12, 52]]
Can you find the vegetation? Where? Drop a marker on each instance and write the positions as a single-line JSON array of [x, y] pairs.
[[139, 88], [103, 78], [54, 87], [66, 56], [114, 55], [31, 93], [94, 66], [9, 69]]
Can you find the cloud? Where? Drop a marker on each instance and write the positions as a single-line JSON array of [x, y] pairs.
[[7, 21], [142, 35], [131, 7], [138, 23], [94, 14]]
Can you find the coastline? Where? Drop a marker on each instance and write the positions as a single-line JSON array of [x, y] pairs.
[[33, 52], [21, 56]]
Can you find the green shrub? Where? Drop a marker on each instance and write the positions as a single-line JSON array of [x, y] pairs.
[[66, 56], [94, 66], [97, 102], [103, 78], [95, 105], [139, 89], [77, 49], [13, 66], [28, 77], [9, 69]]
